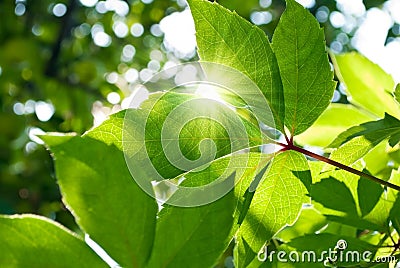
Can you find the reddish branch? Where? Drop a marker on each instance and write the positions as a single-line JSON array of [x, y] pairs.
[[291, 146]]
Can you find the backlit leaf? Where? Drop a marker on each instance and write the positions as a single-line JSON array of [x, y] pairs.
[[226, 38], [276, 203], [367, 85], [34, 241], [107, 203], [299, 45]]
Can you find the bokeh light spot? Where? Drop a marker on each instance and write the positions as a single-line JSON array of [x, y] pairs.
[[137, 29], [59, 10], [44, 111], [265, 3], [113, 98], [337, 19], [306, 3], [261, 17], [88, 3], [20, 9], [131, 75]]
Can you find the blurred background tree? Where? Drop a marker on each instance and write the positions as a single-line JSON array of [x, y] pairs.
[[66, 64]]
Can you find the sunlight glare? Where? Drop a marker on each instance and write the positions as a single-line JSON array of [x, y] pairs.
[[209, 92], [101, 252], [370, 39], [44, 111], [88, 3], [179, 33]]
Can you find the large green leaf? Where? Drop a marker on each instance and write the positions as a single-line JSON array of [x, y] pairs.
[[108, 205], [339, 197], [334, 120], [179, 126], [276, 203], [193, 237], [299, 45], [374, 132], [380, 214], [355, 201], [202, 222], [367, 85], [351, 151], [224, 37], [174, 135], [197, 236], [34, 241], [368, 193]]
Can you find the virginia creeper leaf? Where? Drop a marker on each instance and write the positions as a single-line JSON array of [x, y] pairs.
[[367, 85], [394, 214], [197, 236], [226, 38], [380, 214], [299, 45], [334, 120], [397, 93], [374, 132], [108, 205], [34, 241], [276, 203], [183, 251], [369, 193], [339, 197], [193, 236]]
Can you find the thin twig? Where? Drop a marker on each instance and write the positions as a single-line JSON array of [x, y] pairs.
[[340, 165]]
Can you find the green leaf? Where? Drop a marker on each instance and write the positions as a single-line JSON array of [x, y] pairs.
[[110, 131], [34, 241], [377, 160], [226, 38], [356, 222], [199, 222], [380, 214], [192, 244], [106, 202], [394, 214], [349, 179], [351, 151], [276, 203], [249, 194], [193, 121], [367, 85], [339, 197], [334, 120], [199, 235], [397, 93], [309, 222], [193, 237], [369, 193], [299, 45], [372, 204], [374, 132]]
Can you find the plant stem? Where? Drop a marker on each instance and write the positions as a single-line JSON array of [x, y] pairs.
[[291, 146]]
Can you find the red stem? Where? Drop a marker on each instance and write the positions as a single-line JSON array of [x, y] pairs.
[[291, 146]]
